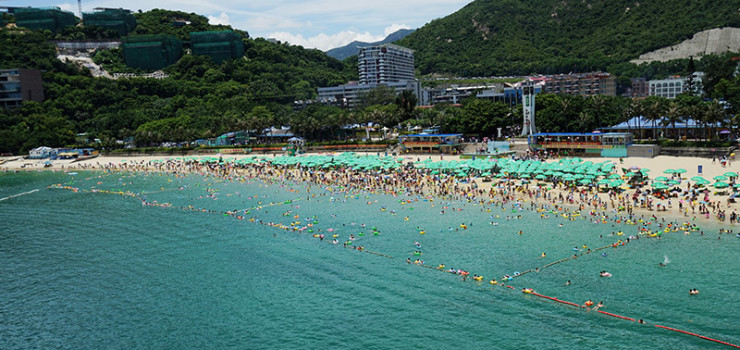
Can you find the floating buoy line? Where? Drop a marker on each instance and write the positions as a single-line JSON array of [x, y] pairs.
[[240, 215]]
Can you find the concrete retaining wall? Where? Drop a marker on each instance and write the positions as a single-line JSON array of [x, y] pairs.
[[643, 151]]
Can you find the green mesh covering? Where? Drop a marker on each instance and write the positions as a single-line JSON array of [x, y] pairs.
[[219, 45], [119, 20], [151, 52], [53, 19]]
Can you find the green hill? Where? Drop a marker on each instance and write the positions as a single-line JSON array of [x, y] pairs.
[[503, 37], [200, 99]]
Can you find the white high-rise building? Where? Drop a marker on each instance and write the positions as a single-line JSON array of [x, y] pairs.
[[387, 63]]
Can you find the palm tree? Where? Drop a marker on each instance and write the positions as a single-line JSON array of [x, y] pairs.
[[598, 104], [653, 110], [715, 114], [565, 106], [635, 110], [586, 120], [698, 112], [673, 115], [406, 102]]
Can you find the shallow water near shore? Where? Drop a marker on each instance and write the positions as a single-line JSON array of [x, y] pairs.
[[95, 268]]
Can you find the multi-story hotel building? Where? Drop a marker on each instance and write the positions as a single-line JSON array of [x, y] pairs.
[[387, 63]]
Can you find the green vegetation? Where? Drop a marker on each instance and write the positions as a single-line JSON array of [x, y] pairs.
[[159, 21], [511, 37], [203, 99]]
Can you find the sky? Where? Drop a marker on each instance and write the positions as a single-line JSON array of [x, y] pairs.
[[321, 24]]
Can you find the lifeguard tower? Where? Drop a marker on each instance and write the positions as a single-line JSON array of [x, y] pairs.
[[295, 146]]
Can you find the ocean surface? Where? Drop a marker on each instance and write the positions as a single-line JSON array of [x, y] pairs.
[[132, 261]]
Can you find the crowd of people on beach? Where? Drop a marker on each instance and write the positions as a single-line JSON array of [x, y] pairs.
[[692, 203]]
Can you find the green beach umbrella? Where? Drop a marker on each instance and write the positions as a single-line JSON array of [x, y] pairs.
[[702, 182], [730, 174], [673, 182], [720, 178], [659, 185], [616, 183], [669, 171], [585, 182], [540, 177], [697, 178], [614, 176], [680, 171], [720, 184], [661, 179]]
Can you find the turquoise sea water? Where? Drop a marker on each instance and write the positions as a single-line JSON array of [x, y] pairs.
[[85, 270]]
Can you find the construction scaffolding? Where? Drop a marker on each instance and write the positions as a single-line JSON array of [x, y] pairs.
[[119, 20], [151, 52], [219, 45], [52, 18]]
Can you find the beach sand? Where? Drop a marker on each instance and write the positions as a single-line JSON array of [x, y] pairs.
[[657, 166]]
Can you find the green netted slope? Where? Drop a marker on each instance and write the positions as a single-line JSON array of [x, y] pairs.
[[151, 52], [219, 45]]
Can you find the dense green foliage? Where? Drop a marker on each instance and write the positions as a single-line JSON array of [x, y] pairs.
[[159, 21], [202, 99], [509, 37]]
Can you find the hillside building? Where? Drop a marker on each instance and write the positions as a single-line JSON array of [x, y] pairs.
[[387, 63], [511, 95], [639, 88], [673, 86], [120, 20], [53, 18], [348, 95], [151, 52], [18, 85], [586, 84], [218, 45], [380, 65]]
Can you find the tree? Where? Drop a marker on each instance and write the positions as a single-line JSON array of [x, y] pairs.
[[406, 102], [673, 114], [714, 116], [381, 95], [690, 81], [259, 119], [386, 115], [653, 108]]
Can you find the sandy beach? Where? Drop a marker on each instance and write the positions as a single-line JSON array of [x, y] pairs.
[[707, 205]]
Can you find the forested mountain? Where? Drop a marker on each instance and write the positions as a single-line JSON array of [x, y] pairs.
[[351, 49], [505, 37]]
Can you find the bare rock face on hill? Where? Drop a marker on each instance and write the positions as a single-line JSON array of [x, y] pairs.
[[712, 41]]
